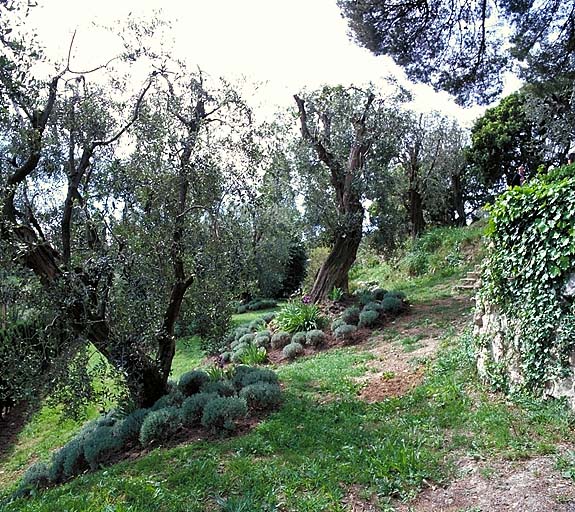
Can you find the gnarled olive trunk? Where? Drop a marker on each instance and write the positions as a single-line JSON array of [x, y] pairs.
[[416, 219], [346, 182], [335, 270]]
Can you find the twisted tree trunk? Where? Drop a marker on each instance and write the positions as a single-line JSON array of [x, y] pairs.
[[345, 179]]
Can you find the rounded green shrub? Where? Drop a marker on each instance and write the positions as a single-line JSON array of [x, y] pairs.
[[247, 338], [240, 371], [257, 324], [315, 338], [100, 444], [280, 339], [221, 413], [367, 318], [262, 341], [336, 323], [238, 354], [379, 293], [395, 293], [193, 408], [36, 477], [220, 387], [159, 425], [292, 350], [173, 399], [365, 296], [255, 375], [299, 337], [74, 461], [241, 331], [345, 332], [129, 429], [191, 382], [373, 306], [262, 395], [268, 317], [350, 315], [391, 305]]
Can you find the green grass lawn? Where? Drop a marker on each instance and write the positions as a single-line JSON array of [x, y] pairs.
[[324, 443]]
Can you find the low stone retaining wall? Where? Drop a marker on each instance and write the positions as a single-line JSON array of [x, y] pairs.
[[498, 342]]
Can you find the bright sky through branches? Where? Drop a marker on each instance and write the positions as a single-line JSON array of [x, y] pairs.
[[286, 45]]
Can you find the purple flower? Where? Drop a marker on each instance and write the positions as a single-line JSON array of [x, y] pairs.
[[306, 299]]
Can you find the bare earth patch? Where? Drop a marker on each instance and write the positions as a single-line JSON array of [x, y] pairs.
[[532, 485], [396, 370]]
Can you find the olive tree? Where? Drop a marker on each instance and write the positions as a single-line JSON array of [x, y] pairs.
[[116, 204], [344, 130]]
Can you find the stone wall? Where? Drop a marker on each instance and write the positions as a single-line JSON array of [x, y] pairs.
[[498, 349]]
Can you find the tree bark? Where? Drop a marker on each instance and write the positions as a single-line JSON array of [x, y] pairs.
[[416, 218], [458, 199], [344, 180], [335, 270]]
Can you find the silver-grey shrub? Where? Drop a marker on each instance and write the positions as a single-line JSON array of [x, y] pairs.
[[247, 338], [336, 323], [191, 382], [345, 332], [292, 350], [245, 378], [367, 318], [220, 387], [373, 306], [193, 408], [315, 338], [221, 413], [350, 315], [173, 399], [262, 395], [262, 340], [129, 429], [159, 425], [299, 337], [100, 444], [280, 339], [392, 304], [36, 477]]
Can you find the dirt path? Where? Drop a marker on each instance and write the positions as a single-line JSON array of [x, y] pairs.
[[398, 368], [532, 485]]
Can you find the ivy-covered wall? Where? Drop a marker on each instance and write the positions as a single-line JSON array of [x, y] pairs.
[[525, 315]]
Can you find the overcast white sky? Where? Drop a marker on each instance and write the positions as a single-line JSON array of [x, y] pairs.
[[286, 44]]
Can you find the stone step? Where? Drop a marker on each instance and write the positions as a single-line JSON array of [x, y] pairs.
[[466, 287], [468, 280]]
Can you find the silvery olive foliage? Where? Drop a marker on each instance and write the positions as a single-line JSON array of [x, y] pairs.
[[117, 202]]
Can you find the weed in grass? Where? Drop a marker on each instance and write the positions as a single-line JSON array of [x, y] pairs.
[[487, 472], [411, 343], [566, 464]]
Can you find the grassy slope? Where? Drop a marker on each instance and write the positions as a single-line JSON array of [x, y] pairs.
[[325, 444]]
